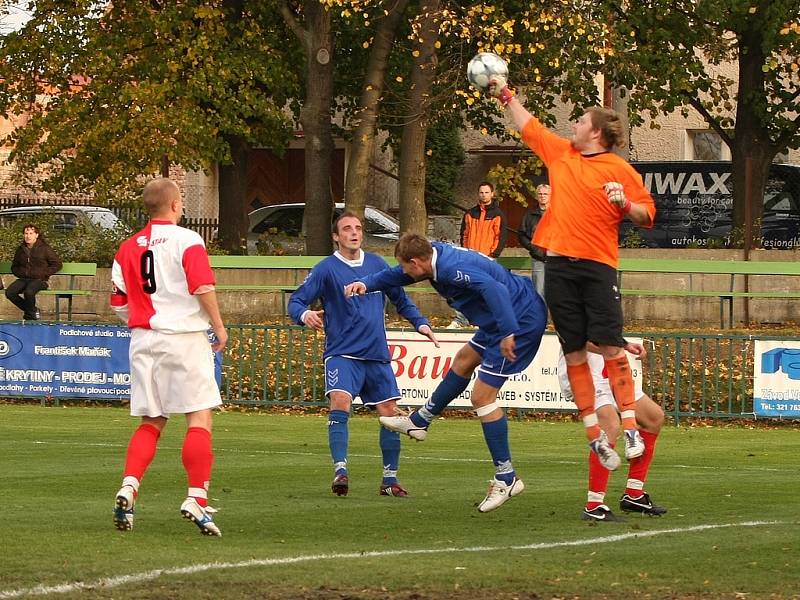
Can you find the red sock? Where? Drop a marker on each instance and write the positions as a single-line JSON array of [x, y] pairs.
[[580, 380], [598, 481], [197, 460], [141, 450], [637, 471], [621, 382]]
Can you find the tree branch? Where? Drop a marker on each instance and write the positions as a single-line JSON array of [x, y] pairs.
[[302, 34], [709, 118]]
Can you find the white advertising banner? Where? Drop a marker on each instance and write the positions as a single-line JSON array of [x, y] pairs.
[[776, 379], [419, 367]]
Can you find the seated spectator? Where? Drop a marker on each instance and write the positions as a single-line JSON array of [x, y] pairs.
[[34, 262]]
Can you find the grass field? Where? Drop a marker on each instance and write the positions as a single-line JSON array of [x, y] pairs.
[[731, 531]]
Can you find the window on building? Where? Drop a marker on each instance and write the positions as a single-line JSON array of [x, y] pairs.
[[705, 144]]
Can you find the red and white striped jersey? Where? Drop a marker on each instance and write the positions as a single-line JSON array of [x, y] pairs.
[[155, 274]]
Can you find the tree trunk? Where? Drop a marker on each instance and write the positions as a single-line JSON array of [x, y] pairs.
[[355, 192], [232, 198], [751, 138], [413, 215], [315, 117]]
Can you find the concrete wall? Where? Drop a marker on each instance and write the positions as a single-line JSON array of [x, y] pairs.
[[257, 307]]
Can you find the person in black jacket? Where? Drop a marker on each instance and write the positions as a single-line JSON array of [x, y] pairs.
[[34, 262], [529, 223]]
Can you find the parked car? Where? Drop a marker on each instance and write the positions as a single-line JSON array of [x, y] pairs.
[[285, 224], [694, 204], [65, 218]]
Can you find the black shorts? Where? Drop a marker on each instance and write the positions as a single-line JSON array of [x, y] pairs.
[[584, 301]]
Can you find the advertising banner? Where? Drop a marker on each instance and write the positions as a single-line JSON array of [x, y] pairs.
[[776, 380], [419, 367], [64, 360]]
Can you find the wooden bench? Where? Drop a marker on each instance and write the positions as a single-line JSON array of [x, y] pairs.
[[699, 267], [696, 269], [735, 270], [299, 265], [71, 270], [296, 264]]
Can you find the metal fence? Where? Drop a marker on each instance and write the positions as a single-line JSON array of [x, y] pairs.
[[688, 374], [133, 215]]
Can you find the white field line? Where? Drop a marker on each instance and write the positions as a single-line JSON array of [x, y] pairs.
[[519, 456], [112, 582]]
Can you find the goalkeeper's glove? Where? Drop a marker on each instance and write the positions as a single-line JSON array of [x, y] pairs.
[[498, 87], [616, 196]]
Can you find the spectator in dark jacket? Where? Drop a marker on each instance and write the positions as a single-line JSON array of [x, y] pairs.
[[34, 262], [529, 223]]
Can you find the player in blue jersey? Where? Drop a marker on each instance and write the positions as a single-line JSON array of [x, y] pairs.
[[356, 352], [510, 317]]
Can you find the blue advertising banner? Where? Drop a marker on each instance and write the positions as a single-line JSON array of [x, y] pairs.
[[776, 381], [64, 360]]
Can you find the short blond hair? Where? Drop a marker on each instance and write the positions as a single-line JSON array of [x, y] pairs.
[[158, 194], [412, 245]]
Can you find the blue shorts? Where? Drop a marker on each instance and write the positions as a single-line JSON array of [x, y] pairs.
[[372, 380], [496, 368]]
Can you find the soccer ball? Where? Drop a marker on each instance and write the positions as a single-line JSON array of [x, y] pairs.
[[483, 67]]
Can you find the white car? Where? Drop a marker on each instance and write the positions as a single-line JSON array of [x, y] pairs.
[[286, 223], [65, 218]]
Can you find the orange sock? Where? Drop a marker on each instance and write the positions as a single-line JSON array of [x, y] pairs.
[[141, 450], [637, 471], [197, 460], [621, 382], [580, 380], [598, 482]]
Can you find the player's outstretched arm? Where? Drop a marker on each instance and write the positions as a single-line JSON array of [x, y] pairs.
[[355, 289], [406, 308], [498, 87], [428, 333]]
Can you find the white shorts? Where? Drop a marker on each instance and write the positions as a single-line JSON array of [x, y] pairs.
[[603, 396], [171, 373]]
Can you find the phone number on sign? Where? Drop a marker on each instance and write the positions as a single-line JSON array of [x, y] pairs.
[[786, 407]]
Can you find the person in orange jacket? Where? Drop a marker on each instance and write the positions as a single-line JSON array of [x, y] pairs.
[[483, 228]]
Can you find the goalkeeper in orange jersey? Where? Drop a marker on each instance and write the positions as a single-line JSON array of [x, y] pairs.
[[592, 191]]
